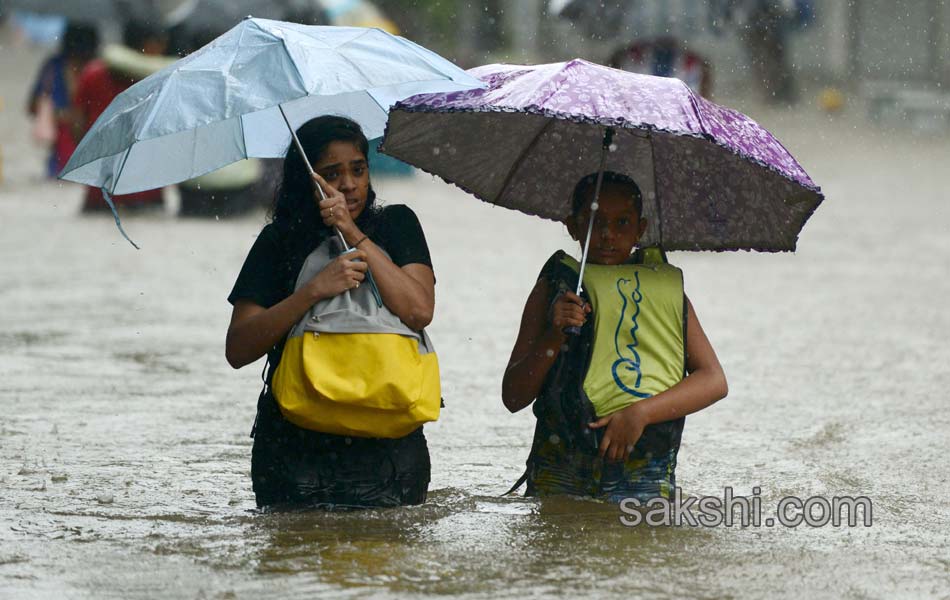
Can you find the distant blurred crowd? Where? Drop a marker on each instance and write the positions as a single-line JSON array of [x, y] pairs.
[[75, 85], [663, 32]]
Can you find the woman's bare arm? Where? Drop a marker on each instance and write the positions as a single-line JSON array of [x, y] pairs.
[[254, 329], [705, 384], [408, 291]]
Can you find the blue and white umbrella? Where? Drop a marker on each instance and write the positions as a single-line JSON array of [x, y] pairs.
[[244, 94]]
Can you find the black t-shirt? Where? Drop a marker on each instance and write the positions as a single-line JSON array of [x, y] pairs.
[[265, 278]]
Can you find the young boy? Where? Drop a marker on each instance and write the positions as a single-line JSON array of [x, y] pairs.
[[611, 401]]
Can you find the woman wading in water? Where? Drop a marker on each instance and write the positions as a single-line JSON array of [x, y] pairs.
[[294, 465]]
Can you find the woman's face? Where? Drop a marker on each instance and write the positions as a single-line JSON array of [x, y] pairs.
[[344, 167]]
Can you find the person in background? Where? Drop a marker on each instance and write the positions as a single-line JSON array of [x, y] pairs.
[[665, 56], [139, 55], [51, 98], [765, 28], [230, 191]]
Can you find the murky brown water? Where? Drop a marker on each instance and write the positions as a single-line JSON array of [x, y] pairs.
[[124, 456]]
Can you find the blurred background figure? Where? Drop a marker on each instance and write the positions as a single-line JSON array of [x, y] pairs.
[[240, 187], [51, 100], [765, 27], [652, 37], [34, 28], [356, 13], [140, 54], [665, 57]]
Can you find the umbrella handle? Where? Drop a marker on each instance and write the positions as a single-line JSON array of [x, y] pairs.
[[371, 280]]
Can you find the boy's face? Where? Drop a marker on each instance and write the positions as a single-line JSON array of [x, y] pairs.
[[617, 226]]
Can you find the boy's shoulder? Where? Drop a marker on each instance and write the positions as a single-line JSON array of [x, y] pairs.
[[558, 269]]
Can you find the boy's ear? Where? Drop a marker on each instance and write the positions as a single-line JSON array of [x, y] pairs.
[[571, 224]]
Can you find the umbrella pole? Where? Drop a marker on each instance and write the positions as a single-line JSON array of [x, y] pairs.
[[608, 138], [306, 161], [605, 147], [323, 196]]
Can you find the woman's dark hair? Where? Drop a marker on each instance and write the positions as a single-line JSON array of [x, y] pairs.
[[295, 211], [137, 33], [588, 183], [80, 40]]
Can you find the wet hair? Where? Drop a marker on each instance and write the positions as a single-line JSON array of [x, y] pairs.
[[80, 40], [137, 33], [588, 183], [295, 212]]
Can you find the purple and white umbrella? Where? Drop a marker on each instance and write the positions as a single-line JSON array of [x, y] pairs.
[[711, 177]]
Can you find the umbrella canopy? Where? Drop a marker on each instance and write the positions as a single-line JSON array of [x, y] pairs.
[[712, 178], [225, 101]]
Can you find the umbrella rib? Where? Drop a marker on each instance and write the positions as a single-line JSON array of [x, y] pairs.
[[355, 66], [420, 52], [233, 57], [356, 37], [514, 166], [300, 80], [243, 134], [656, 192], [118, 175]]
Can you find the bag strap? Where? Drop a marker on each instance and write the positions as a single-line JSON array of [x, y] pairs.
[[260, 397], [521, 480]]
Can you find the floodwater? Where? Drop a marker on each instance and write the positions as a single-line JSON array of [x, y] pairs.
[[124, 448]]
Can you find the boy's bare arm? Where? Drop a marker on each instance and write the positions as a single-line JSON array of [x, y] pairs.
[[705, 384], [539, 343]]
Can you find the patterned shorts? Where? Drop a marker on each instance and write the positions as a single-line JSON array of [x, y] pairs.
[[557, 469]]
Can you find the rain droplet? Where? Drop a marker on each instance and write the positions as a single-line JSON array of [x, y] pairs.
[[612, 147], [549, 353], [594, 205]]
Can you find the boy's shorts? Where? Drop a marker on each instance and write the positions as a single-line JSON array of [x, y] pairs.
[[557, 469]]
